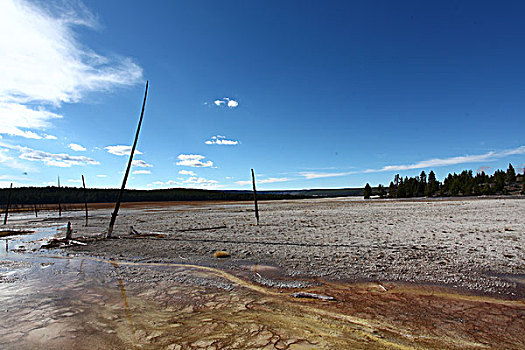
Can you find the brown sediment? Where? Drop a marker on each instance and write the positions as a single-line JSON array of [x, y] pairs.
[[7, 233], [364, 315]]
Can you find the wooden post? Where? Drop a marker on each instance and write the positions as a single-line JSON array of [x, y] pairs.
[[36, 211], [255, 198], [59, 204], [117, 204], [8, 203], [85, 199]]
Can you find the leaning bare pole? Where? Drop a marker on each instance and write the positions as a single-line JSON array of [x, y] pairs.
[[59, 204], [8, 203], [255, 198], [85, 198], [117, 205]]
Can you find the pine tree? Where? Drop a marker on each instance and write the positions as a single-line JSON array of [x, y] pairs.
[[367, 191], [392, 190], [511, 175], [381, 190]]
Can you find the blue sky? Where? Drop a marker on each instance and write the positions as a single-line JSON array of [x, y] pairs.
[[309, 94]]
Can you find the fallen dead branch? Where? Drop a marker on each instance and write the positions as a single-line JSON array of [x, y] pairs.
[[61, 243], [202, 228], [312, 296]]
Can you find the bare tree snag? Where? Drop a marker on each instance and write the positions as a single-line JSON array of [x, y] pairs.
[[59, 204], [8, 203], [117, 204], [36, 212], [255, 198], [85, 199], [69, 231]]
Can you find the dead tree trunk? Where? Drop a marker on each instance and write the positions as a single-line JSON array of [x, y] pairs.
[[255, 198], [36, 211], [85, 199], [117, 204], [59, 204], [8, 203], [69, 231]]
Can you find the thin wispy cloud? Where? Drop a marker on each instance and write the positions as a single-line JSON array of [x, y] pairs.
[[221, 140], [439, 162], [193, 160], [7, 161], [61, 160], [50, 137], [141, 172], [121, 150], [200, 181], [264, 181], [141, 164], [226, 102], [318, 175], [76, 147], [43, 64], [191, 182], [16, 118], [187, 172], [101, 175]]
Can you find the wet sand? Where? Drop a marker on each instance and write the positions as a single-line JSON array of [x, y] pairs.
[[405, 274]]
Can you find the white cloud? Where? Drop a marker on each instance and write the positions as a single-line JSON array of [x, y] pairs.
[[315, 175], [14, 117], [226, 101], [140, 164], [50, 137], [193, 160], [42, 64], [232, 103], [438, 162], [221, 140], [121, 150], [200, 181], [264, 181], [62, 160], [74, 181], [7, 161], [77, 147], [187, 172], [141, 172], [191, 182], [101, 175]]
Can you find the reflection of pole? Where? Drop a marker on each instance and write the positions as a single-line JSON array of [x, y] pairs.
[[85, 198], [255, 198], [8, 203], [59, 204], [117, 205]]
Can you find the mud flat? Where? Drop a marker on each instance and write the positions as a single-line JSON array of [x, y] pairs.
[[469, 244], [400, 274]]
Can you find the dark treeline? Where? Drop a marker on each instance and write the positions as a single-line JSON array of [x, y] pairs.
[[51, 195], [463, 184]]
